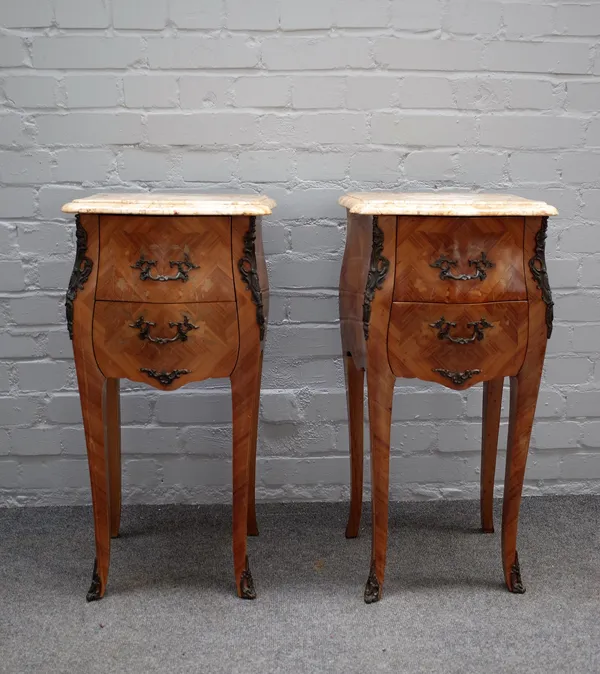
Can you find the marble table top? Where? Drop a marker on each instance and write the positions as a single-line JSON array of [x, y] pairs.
[[172, 204], [440, 203]]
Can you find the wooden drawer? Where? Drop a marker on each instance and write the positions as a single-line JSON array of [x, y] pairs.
[[457, 345], [452, 259], [184, 342], [165, 259]]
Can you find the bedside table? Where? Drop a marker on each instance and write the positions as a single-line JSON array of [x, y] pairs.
[[452, 289], [167, 289]]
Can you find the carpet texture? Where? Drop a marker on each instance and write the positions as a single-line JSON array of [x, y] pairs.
[[171, 607]]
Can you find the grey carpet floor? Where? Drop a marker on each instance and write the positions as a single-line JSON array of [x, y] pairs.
[[170, 604]]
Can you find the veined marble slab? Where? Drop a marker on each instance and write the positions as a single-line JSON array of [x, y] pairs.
[[172, 204], [434, 203]]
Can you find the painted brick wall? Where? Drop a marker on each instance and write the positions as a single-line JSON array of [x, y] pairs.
[[301, 100]]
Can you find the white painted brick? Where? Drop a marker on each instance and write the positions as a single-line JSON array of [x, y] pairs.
[[375, 166], [563, 273], [48, 239], [12, 276], [404, 53], [527, 20], [309, 15], [37, 310], [186, 51], [274, 239], [315, 91], [59, 345], [481, 168], [481, 93], [290, 273], [530, 131], [427, 406], [31, 91], [203, 128], [581, 239], [537, 57], [590, 275], [533, 95], [266, 166], [253, 14], [207, 440], [361, 14], [473, 16], [88, 14], [577, 19], [391, 128], [583, 403], [371, 92], [10, 472], [54, 274], [91, 91], [80, 165], [304, 341], [199, 91], [52, 197], [12, 51], [591, 205], [556, 434], [38, 441], [591, 434], [144, 91], [90, 128], [579, 466], [207, 166], [144, 165], [561, 340], [196, 472], [4, 377], [17, 202], [321, 165], [315, 53], [315, 239], [415, 15], [127, 14], [535, 167], [412, 437], [261, 92], [426, 92], [189, 15], [314, 309], [24, 167], [26, 14], [17, 411], [581, 167], [578, 307], [89, 52], [280, 406], [568, 370], [332, 128], [140, 472], [17, 346], [583, 96], [211, 407], [429, 165], [593, 133]]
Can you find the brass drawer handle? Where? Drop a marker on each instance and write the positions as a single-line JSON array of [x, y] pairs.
[[183, 268], [457, 378], [444, 331], [481, 264], [165, 378], [182, 329]]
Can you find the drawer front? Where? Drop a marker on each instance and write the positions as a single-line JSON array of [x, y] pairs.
[[165, 345], [446, 259], [457, 345], [165, 259]]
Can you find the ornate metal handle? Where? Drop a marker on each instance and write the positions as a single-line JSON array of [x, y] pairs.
[[457, 378], [182, 329], [481, 264], [444, 331], [165, 378], [183, 268]]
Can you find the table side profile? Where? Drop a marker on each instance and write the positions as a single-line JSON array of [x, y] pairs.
[[167, 290], [451, 289]]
